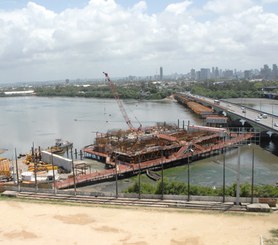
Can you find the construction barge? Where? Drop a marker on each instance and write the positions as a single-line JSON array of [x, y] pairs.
[[128, 153]]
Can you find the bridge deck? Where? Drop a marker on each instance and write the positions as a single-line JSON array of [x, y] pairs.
[[245, 114]]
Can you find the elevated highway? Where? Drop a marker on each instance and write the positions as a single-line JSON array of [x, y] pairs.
[[260, 120]]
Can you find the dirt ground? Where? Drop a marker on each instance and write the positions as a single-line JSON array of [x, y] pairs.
[[42, 223]]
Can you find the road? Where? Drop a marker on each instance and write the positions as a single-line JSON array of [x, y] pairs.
[[268, 120]]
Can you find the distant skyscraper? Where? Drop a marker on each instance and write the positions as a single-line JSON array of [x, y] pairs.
[[161, 73], [212, 72], [216, 72], [204, 74], [193, 74], [247, 74], [266, 72], [228, 74], [274, 71], [198, 75]]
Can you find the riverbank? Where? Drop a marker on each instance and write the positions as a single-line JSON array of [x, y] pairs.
[[79, 119], [44, 223]]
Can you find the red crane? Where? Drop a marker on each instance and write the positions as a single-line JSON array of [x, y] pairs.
[[119, 102]]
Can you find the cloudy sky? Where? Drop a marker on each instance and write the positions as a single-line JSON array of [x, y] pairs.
[[51, 40]]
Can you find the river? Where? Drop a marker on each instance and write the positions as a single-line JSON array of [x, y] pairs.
[[26, 121]]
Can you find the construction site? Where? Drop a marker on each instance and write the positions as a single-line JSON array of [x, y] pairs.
[[125, 153], [164, 142], [135, 150]]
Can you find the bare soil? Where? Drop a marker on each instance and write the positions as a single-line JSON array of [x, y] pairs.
[[42, 223]]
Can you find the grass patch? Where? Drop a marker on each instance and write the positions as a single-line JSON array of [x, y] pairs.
[[274, 237], [274, 233]]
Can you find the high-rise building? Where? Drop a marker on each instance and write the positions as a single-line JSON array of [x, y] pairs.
[[161, 73], [228, 74], [204, 74], [247, 74], [274, 71], [212, 75], [266, 72], [192, 74], [216, 73]]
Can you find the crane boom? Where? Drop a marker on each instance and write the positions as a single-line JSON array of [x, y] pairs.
[[119, 102]]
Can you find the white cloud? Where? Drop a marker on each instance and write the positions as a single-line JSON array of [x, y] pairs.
[[178, 8], [227, 6], [269, 1], [39, 44], [140, 7]]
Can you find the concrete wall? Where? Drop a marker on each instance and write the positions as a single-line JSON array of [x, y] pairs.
[[59, 161]]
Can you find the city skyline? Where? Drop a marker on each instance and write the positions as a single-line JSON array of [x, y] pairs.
[[53, 40]]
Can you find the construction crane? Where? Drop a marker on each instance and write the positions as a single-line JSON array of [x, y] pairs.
[[120, 104]]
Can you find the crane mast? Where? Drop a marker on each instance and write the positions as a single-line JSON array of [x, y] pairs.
[[119, 102]]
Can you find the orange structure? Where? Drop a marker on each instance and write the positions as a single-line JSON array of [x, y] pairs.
[[125, 153], [128, 152]]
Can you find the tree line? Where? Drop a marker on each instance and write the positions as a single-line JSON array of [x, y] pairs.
[[157, 90]]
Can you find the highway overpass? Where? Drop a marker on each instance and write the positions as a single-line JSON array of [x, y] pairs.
[[260, 120]]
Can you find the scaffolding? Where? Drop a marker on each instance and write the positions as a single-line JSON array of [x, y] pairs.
[[157, 143]]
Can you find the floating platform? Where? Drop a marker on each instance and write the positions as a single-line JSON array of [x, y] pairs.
[[127, 153]]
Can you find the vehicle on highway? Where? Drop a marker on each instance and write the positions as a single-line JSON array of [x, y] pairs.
[[257, 119], [276, 124]]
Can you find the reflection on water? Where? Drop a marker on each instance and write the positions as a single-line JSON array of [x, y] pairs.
[[270, 146], [25, 120]]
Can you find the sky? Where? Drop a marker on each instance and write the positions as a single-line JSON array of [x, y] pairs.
[[44, 40]]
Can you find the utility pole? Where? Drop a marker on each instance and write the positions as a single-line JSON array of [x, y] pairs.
[[139, 177], [17, 176], [188, 180], [252, 184], [116, 170], [224, 174], [238, 176], [53, 173], [36, 180], [162, 176], [73, 173], [272, 115]]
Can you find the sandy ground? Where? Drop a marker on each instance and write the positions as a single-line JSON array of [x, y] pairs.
[[41, 223]]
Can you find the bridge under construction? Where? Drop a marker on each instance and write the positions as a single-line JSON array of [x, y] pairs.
[[126, 153]]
